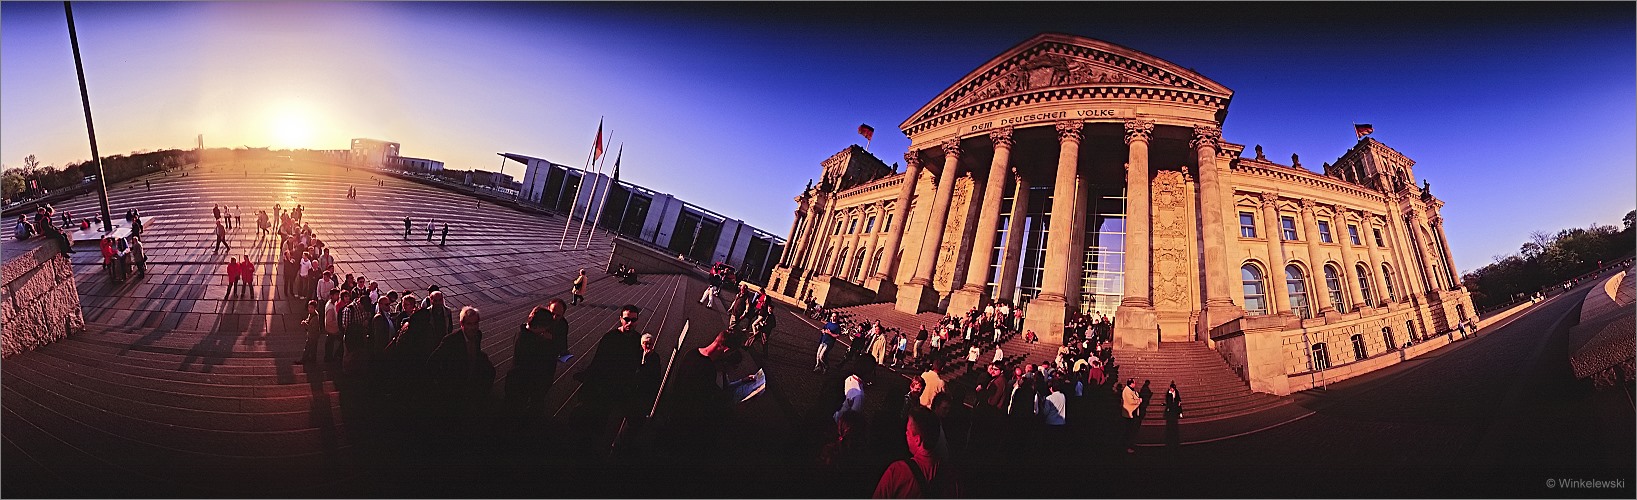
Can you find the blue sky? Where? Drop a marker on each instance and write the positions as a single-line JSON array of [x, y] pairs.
[[1520, 114]]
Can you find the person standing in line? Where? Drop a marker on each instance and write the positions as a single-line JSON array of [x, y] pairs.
[[578, 288], [534, 362], [1146, 395], [607, 380], [332, 325], [461, 374], [445, 236], [314, 324], [407, 229], [238, 217], [932, 383], [326, 262]]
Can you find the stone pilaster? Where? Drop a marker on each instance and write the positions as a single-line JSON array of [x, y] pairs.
[[1319, 293], [972, 293], [918, 295], [1276, 256], [1134, 323], [1048, 310], [1449, 258], [1349, 260], [1366, 229]]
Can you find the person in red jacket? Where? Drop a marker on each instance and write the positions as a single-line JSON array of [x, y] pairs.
[[232, 276], [109, 260], [247, 270]]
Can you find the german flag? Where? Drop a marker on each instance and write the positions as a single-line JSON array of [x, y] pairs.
[[1363, 129], [867, 131]]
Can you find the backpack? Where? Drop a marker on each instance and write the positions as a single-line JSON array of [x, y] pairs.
[[927, 486]]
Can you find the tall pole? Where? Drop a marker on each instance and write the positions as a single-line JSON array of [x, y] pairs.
[[601, 204], [568, 219], [597, 163], [85, 99]]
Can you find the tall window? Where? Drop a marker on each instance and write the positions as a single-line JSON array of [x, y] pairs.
[[1255, 291], [852, 227], [1352, 233], [1409, 326], [1359, 353], [1102, 274], [839, 223], [858, 265], [1324, 232], [875, 264], [1387, 336], [1364, 284], [1321, 356], [1247, 225], [841, 263], [824, 260], [1332, 281], [886, 225], [869, 227], [1288, 226], [1296, 284], [1387, 279], [1380, 243]]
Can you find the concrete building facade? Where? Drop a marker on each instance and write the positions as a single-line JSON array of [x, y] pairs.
[[1070, 175]]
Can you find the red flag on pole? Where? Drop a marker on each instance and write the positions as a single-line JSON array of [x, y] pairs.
[[597, 147], [1363, 129], [867, 131]]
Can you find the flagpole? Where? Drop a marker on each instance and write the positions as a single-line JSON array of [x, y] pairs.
[[569, 218], [600, 204], [596, 180]]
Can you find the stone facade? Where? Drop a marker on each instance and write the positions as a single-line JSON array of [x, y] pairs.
[[1066, 142], [41, 303]]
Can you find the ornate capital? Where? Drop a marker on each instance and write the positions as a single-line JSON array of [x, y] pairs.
[[1208, 135], [1002, 137], [1308, 205], [912, 159], [952, 146], [1270, 199], [1341, 212], [1070, 131], [1137, 129], [1436, 220]]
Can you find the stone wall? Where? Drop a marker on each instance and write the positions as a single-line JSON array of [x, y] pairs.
[[648, 260], [41, 304]]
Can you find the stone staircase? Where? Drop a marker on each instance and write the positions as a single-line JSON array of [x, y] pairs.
[[1210, 389]]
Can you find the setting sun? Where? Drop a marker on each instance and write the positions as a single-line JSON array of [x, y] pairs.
[[291, 126]]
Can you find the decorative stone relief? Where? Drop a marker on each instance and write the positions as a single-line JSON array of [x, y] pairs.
[[944, 273], [1170, 240]]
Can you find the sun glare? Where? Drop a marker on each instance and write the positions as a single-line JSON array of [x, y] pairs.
[[291, 127]]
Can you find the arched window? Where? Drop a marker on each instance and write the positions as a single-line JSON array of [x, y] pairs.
[[1332, 281], [1387, 279], [858, 265], [1359, 352], [825, 259], [875, 264], [1364, 287], [1255, 291], [1296, 284], [841, 263], [1321, 356]]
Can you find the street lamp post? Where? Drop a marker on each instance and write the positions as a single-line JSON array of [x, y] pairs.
[[85, 99]]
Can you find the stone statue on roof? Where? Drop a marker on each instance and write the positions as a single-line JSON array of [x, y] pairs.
[[1295, 161], [1259, 154]]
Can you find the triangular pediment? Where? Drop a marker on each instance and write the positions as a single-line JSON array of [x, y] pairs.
[[1054, 61]]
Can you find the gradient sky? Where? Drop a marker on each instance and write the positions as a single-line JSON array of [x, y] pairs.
[[1520, 114]]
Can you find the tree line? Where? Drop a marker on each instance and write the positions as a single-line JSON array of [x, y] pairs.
[[1548, 259], [14, 185]]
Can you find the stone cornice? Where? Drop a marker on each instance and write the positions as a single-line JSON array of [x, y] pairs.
[[1285, 174], [875, 185]]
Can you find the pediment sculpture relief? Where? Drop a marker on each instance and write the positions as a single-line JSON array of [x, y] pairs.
[[1046, 70]]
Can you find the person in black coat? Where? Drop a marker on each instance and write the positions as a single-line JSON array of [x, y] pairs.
[[459, 373], [540, 342], [607, 381]]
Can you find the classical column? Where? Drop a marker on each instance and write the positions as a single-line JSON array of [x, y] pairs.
[[887, 277], [1349, 259], [919, 295], [1219, 306], [972, 293], [816, 232], [1412, 225], [1134, 323], [1276, 255], [1400, 247], [1315, 261], [852, 242], [1016, 226], [795, 225], [1443, 245], [1047, 311]]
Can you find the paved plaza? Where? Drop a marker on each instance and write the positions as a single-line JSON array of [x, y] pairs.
[[173, 391]]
